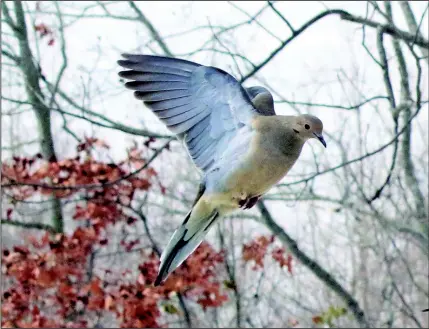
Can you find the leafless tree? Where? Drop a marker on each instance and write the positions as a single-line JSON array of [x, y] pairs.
[[360, 237]]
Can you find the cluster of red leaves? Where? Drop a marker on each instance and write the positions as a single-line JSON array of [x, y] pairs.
[[278, 255], [136, 304], [196, 278], [257, 249], [53, 289], [48, 280], [45, 31], [76, 173]]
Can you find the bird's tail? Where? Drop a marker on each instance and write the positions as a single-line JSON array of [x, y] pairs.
[[187, 237]]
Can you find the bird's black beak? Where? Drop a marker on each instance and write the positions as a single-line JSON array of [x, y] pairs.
[[320, 138]]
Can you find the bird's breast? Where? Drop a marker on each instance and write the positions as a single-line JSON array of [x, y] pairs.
[[257, 174], [253, 173]]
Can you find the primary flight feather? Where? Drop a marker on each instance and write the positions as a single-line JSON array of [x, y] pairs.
[[232, 134]]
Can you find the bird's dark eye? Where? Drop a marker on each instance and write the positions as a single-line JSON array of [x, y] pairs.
[[307, 126]]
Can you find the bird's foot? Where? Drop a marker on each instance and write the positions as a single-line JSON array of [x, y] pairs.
[[248, 202]]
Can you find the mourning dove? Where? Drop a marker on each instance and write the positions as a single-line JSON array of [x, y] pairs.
[[232, 134]]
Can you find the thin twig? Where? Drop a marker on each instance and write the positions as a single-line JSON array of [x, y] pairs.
[[29, 225], [367, 155], [344, 15], [313, 266], [141, 17], [281, 16], [333, 106], [63, 55]]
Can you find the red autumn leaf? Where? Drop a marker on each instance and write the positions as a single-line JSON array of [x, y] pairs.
[[44, 278], [212, 300], [109, 303], [256, 250], [9, 213], [151, 172], [95, 287], [278, 255], [42, 29], [80, 213], [66, 289], [130, 245], [140, 183], [21, 250], [317, 319], [35, 310]]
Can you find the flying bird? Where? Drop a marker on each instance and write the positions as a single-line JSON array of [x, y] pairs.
[[232, 134]]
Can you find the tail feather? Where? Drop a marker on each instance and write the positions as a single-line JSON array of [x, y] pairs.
[[185, 240]]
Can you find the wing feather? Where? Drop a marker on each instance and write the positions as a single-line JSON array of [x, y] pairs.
[[201, 104]]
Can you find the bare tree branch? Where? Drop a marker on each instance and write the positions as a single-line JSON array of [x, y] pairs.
[[385, 67], [233, 282], [63, 55], [151, 29], [384, 64], [157, 250], [344, 15], [8, 19], [313, 266], [112, 124], [412, 24], [409, 168], [90, 186], [35, 96], [332, 106], [29, 225], [369, 154], [281, 16], [388, 29], [9, 55], [254, 20]]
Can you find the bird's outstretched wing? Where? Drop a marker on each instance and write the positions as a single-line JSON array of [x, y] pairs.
[[204, 106]]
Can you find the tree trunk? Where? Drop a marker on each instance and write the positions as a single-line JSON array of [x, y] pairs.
[[36, 98]]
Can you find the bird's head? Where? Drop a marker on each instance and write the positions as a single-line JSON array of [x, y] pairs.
[[308, 126]]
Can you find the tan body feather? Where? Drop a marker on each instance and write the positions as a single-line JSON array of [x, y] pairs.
[[273, 151]]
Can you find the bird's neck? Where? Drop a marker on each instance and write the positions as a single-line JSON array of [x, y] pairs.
[[288, 143], [278, 136]]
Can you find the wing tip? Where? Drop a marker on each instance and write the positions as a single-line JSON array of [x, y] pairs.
[[126, 55], [125, 63], [163, 270]]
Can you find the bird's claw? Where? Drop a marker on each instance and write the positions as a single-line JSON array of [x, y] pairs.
[[248, 202]]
